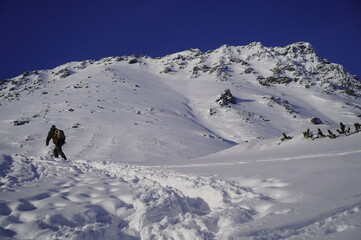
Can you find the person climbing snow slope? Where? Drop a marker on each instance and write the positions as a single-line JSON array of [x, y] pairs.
[[58, 137]]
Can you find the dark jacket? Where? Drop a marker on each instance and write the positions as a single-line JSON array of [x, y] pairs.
[[51, 136]]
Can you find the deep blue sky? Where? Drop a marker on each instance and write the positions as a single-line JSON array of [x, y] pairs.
[[42, 34]]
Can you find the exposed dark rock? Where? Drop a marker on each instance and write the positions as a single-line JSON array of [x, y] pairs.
[[21, 122], [63, 73], [133, 61], [316, 121], [278, 80], [226, 98]]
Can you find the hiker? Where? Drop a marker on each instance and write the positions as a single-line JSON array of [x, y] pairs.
[[58, 139]]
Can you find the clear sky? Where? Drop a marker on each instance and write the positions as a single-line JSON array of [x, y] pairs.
[[43, 34]]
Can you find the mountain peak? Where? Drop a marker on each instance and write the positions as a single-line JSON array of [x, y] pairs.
[[275, 90], [255, 44], [301, 48]]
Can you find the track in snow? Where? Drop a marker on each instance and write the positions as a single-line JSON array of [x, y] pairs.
[[98, 200], [277, 159], [115, 200]]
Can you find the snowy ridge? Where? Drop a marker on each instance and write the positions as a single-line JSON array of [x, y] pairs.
[[186, 146]]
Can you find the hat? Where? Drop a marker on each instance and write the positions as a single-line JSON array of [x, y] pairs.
[[53, 126]]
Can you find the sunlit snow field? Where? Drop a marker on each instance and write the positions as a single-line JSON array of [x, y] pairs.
[[153, 155]]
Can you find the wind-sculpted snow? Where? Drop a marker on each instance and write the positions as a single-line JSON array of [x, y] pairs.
[[120, 201], [82, 199]]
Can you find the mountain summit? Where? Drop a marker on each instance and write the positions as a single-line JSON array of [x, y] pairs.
[[154, 108]]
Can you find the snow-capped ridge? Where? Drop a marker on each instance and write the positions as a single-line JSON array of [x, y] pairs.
[[292, 80], [300, 61]]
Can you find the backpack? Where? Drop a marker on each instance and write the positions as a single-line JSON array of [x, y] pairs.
[[59, 136]]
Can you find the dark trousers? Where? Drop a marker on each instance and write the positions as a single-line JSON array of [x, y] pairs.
[[57, 151]]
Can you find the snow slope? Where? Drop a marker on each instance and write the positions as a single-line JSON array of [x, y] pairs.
[[153, 155]]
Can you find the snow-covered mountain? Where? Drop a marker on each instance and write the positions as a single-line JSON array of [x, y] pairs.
[[194, 113]]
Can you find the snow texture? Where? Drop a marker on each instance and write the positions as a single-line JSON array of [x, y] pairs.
[[188, 146]]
